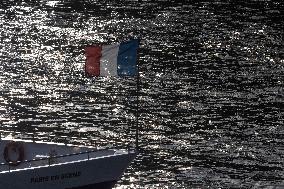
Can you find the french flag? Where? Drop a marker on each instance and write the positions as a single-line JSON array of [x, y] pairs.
[[112, 60]]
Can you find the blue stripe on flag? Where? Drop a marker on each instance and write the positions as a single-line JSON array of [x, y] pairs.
[[127, 58]]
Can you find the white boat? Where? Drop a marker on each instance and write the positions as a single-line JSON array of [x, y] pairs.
[[44, 165], [41, 165]]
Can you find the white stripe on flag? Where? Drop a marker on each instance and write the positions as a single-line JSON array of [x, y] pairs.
[[108, 61]]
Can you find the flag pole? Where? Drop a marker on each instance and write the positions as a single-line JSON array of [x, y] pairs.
[[137, 114], [137, 106]]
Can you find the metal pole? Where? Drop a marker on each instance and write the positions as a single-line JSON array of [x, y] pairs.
[[137, 116], [137, 106]]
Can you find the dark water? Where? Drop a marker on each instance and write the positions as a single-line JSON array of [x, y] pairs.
[[211, 86]]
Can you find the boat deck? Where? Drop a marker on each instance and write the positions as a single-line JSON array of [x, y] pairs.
[[48, 154]]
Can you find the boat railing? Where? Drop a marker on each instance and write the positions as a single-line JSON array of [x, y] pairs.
[[61, 137], [34, 136], [51, 159]]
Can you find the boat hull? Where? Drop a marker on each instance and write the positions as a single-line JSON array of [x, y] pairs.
[[103, 185], [96, 173]]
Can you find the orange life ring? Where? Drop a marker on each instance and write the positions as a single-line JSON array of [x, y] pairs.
[[15, 147]]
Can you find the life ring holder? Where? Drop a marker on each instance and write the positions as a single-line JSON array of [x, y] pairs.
[[17, 147]]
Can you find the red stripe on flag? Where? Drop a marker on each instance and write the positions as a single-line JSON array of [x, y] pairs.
[[92, 66]]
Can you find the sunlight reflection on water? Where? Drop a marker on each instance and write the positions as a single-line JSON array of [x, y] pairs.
[[211, 93]]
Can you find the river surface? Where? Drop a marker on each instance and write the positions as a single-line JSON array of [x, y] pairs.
[[211, 99]]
